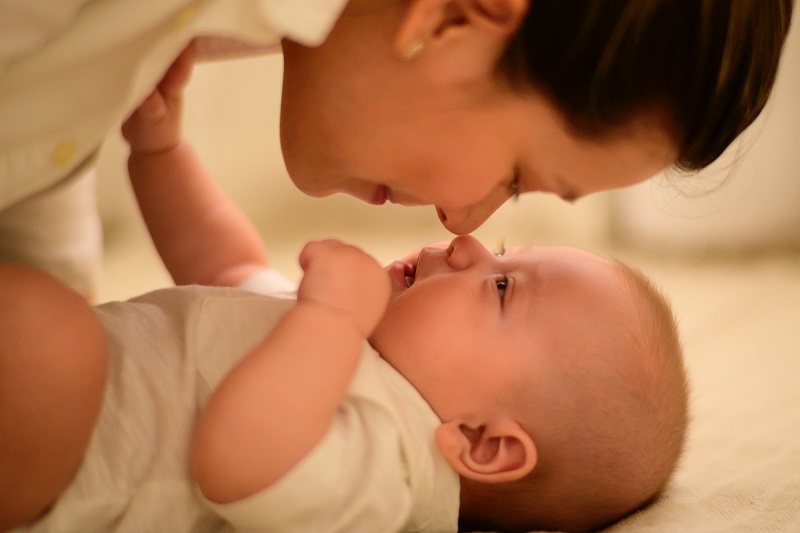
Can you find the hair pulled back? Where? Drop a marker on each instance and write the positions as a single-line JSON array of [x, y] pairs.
[[708, 64]]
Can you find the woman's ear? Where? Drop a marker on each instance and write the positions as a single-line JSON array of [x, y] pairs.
[[429, 26], [496, 452]]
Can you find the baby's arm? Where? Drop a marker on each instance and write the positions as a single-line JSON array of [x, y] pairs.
[[279, 401], [201, 236]]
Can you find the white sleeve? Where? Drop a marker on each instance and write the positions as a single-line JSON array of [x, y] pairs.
[[26, 25], [355, 479], [307, 21], [269, 282]]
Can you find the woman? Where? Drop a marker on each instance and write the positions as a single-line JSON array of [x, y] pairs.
[[456, 104]]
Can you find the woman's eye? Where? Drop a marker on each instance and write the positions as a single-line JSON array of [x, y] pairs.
[[513, 187], [502, 284]]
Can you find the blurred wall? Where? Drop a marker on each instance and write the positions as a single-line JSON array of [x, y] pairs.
[[748, 200]]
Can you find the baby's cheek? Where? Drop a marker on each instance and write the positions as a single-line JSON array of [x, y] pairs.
[[395, 333]]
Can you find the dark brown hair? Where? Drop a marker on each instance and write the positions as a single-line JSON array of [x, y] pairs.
[[709, 64]]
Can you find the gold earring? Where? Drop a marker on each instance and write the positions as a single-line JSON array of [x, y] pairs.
[[414, 50]]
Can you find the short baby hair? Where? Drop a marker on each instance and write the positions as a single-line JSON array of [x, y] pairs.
[[634, 417], [707, 65]]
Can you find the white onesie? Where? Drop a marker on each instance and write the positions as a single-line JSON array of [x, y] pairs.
[[377, 469]]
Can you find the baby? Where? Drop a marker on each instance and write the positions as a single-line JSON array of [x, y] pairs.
[[542, 388]]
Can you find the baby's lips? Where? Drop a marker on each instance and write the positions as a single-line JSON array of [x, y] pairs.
[[401, 274]]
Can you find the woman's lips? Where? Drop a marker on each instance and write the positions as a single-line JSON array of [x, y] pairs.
[[380, 196]]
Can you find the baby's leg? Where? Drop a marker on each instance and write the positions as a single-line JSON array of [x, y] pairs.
[[53, 365]]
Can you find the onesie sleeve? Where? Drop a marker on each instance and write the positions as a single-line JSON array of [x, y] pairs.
[[355, 479], [307, 21], [269, 282]]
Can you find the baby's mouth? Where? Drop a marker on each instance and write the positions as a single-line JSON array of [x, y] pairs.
[[411, 272], [403, 274]]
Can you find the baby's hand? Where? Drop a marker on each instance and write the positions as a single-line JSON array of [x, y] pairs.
[[345, 278], [155, 126]]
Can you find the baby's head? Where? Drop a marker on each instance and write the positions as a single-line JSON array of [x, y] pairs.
[[557, 376]]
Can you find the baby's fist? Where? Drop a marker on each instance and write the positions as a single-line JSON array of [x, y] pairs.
[[345, 278]]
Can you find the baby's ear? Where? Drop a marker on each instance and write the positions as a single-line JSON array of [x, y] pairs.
[[496, 452]]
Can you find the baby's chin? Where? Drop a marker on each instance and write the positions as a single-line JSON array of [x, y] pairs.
[[374, 341]]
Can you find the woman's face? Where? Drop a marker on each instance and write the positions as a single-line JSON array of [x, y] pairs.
[[359, 120]]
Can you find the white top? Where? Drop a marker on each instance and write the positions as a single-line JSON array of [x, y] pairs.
[[72, 70], [377, 469]]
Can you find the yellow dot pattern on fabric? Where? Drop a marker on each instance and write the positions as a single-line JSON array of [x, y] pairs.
[[185, 16], [63, 153]]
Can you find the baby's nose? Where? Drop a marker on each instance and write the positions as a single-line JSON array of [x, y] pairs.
[[464, 251]]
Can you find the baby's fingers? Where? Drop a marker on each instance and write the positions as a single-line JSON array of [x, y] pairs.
[[177, 76], [343, 277]]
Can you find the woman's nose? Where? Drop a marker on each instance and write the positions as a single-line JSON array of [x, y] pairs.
[[465, 251], [464, 220], [467, 219]]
